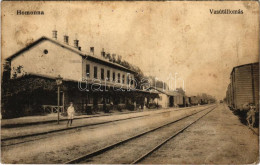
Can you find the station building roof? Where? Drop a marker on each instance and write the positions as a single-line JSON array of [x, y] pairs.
[[166, 92], [86, 55]]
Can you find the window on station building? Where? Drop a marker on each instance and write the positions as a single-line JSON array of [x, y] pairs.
[[128, 78], [132, 80], [118, 77], [123, 79], [102, 74], [87, 70], [114, 76], [95, 72], [108, 75]]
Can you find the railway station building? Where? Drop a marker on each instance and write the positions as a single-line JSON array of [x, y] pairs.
[[92, 82]]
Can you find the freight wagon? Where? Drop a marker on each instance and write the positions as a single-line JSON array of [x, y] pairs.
[[201, 100], [179, 100], [193, 100], [244, 86], [187, 101], [229, 96]]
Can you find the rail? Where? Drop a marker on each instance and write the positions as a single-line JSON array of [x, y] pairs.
[[165, 141], [109, 147]]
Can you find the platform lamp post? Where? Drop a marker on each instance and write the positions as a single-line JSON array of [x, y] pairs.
[[59, 82]]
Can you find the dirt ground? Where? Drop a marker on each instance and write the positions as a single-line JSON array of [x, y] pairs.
[[132, 150], [217, 138], [69, 145]]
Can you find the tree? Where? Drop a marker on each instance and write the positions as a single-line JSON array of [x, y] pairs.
[[6, 71], [139, 75], [157, 83]]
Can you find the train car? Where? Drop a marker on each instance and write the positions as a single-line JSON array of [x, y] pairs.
[[187, 101], [199, 101], [179, 100], [244, 86], [229, 96], [193, 100], [204, 101]]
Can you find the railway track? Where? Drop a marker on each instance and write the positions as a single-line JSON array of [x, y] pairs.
[[45, 134], [42, 135], [139, 139], [253, 130]]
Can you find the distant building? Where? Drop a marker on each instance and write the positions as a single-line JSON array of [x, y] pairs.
[[168, 98]]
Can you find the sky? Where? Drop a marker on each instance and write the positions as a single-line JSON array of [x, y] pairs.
[[164, 39]]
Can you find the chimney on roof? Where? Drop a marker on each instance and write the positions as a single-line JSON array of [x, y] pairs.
[[103, 53], [54, 34], [76, 43], [109, 57], [113, 57], [119, 58], [92, 50], [66, 39]]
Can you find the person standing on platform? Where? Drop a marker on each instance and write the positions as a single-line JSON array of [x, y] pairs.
[[251, 115], [71, 112]]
